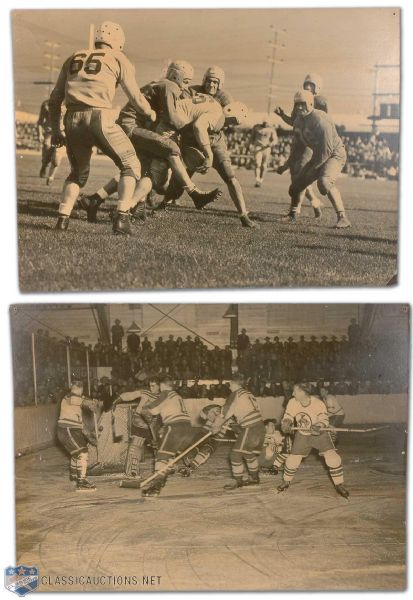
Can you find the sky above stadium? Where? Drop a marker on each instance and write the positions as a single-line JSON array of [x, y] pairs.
[[342, 45]]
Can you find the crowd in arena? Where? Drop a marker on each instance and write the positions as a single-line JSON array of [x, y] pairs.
[[368, 156], [352, 364]]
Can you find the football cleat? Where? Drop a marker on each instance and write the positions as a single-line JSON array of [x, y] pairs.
[[317, 213], [201, 199], [257, 184], [83, 485], [247, 222], [122, 224], [342, 222], [42, 172], [342, 491], [91, 205], [139, 212], [49, 180], [62, 223], [283, 486]]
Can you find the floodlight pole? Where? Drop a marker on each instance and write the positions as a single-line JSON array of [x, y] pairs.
[[88, 371], [34, 370], [69, 376]]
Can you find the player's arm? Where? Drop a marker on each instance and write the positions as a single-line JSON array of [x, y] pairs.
[[321, 422], [289, 119], [169, 102], [131, 89], [55, 106], [288, 418], [40, 122], [200, 127]]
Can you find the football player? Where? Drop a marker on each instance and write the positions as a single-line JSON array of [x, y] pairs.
[[87, 83], [315, 130], [312, 83], [263, 138], [309, 413], [157, 152], [44, 132], [212, 84]]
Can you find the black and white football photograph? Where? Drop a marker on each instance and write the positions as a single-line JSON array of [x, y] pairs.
[[206, 148], [211, 447]]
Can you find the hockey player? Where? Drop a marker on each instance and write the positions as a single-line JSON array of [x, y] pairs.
[[87, 83], [143, 431], [310, 415], [315, 130], [158, 153], [70, 434], [336, 414], [178, 431], [243, 407], [208, 415], [263, 138], [213, 84], [273, 447], [312, 83]]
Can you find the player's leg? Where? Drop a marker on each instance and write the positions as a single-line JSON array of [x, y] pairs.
[[114, 142], [291, 467], [79, 151], [47, 151], [335, 468], [237, 468], [264, 162], [314, 201], [222, 164], [75, 442], [56, 159], [134, 456], [258, 158], [163, 147], [92, 202], [326, 183]]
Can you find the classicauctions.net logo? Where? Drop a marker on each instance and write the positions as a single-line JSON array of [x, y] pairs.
[[21, 579]]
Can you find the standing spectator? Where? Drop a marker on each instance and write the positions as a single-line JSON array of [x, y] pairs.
[[243, 342], [133, 342], [117, 335], [354, 333]]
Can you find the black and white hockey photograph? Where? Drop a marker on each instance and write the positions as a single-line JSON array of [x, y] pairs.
[[206, 148], [211, 447]]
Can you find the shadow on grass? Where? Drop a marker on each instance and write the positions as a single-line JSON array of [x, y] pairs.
[[389, 255]]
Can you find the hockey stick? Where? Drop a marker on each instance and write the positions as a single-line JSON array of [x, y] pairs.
[[342, 429], [95, 422], [176, 459]]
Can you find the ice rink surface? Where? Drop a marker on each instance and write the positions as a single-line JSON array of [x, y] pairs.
[[196, 536]]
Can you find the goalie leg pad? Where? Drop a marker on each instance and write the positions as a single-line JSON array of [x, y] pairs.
[[134, 456]]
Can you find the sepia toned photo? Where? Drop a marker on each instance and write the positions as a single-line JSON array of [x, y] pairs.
[[210, 447], [165, 149]]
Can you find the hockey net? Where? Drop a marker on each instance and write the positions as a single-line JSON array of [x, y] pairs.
[[109, 455]]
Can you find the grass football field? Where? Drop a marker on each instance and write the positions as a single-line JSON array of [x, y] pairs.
[[185, 248]]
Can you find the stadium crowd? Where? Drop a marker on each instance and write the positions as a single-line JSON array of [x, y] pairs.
[[368, 156], [352, 364]]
